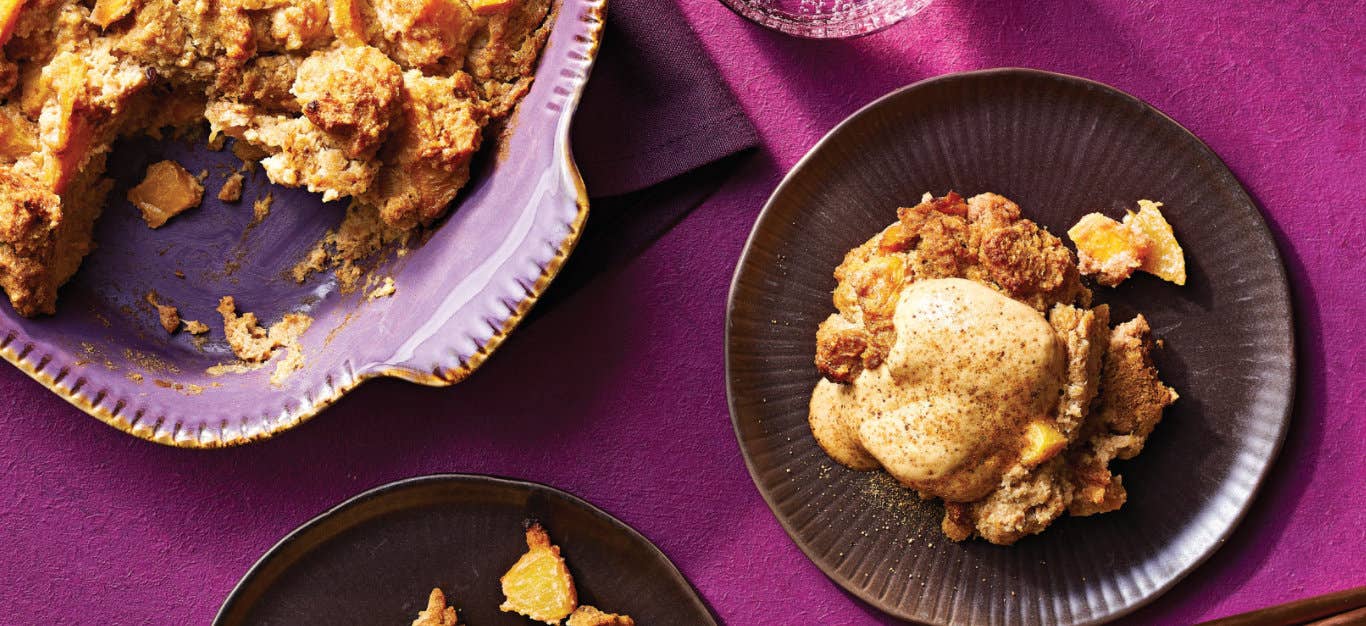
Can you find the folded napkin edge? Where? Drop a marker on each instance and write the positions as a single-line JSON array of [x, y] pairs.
[[601, 177]]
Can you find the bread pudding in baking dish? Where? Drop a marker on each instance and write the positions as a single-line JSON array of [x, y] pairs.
[[966, 360], [384, 102]]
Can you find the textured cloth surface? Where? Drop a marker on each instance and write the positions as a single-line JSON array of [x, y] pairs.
[[618, 393], [657, 132], [656, 106]]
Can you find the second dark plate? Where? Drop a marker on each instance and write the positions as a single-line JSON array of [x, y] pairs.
[[373, 559], [1060, 146]]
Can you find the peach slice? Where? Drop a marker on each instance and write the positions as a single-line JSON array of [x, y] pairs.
[[74, 132], [1165, 260], [347, 22], [490, 7], [18, 136], [167, 191], [107, 12], [539, 585], [1108, 250], [9, 17], [1042, 442]]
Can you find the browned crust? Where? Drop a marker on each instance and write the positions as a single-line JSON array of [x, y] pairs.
[[983, 239]]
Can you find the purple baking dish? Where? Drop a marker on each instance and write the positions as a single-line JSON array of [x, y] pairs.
[[459, 294]]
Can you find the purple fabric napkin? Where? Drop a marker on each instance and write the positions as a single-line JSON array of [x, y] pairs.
[[657, 132]]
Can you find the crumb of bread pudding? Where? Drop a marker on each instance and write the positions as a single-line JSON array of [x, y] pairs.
[[261, 209], [590, 616], [1130, 405], [231, 191], [437, 612], [1103, 396], [168, 315], [345, 249], [254, 344], [385, 289], [383, 101]]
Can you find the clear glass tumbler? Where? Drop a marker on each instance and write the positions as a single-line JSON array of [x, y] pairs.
[[826, 19]]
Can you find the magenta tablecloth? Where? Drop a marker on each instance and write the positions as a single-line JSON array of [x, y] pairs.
[[618, 393]]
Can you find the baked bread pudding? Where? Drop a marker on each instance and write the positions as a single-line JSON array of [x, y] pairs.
[[381, 101], [966, 361]]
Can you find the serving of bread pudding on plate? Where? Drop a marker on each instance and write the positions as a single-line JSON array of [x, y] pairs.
[[966, 360], [384, 102]]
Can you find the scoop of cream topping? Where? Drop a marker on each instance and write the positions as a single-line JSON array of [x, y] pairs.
[[969, 370]]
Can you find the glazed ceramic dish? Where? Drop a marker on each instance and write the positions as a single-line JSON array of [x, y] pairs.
[[459, 293], [373, 559], [1060, 146]]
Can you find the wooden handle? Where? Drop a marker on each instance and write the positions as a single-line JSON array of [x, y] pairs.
[[1349, 605]]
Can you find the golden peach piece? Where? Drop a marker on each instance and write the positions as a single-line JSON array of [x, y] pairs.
[[1165, 259], [1042, 442], [347, 22], [9, 16], [167, 191], [539, 585], [107, 12], [71, 156], [18, 137], [73, 134], [1107, 249], [448, 14], [490, 7]]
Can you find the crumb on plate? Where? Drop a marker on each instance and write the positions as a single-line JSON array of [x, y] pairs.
[[385, 289], [437, 612], [255, 345], [168, 315], [590, 616], [231, 191]]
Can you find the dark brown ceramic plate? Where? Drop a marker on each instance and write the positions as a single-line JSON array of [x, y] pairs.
[[1061, 147], [374, 559]]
